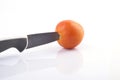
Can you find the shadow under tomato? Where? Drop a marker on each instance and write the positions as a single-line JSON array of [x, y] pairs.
[[69, 61]]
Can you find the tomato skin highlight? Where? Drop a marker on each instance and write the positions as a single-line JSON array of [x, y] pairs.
[[71, 33]]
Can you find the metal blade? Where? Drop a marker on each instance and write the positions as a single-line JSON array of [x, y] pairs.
[[42, 38]]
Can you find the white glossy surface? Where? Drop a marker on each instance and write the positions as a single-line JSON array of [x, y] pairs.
[[96, 58]]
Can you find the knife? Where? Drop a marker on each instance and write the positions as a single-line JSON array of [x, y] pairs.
[[30, 41]]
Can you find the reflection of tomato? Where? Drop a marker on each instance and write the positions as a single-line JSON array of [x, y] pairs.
[[71, 33]]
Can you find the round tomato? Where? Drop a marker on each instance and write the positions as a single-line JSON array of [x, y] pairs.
[[71, 33]]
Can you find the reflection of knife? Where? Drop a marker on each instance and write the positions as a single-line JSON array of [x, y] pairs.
[[29, 42]]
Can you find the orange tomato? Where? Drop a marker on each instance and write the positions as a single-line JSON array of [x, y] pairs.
[[71, 33]]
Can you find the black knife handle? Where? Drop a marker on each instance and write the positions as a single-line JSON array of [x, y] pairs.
[[42, 38], [19, 43]]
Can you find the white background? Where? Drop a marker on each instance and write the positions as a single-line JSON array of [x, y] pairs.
[[96, 58]]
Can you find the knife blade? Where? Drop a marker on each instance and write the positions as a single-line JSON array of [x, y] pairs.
[[30, 41]]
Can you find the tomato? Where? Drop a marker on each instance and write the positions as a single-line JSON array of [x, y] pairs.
[[71, 33]]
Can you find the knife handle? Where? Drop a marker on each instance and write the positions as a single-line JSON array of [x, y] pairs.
[[19, 43]]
